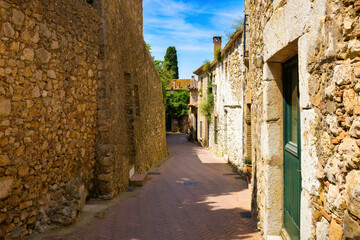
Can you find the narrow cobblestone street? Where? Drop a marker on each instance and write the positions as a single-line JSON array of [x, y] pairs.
[[169, 207]]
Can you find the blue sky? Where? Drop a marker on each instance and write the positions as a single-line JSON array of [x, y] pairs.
[[189, 25]]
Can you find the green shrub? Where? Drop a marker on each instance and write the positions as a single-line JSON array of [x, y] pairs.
[[248, 161], [206, 66], [217, 54], [207, 107]]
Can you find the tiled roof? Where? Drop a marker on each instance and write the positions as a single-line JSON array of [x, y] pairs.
[[179, 84]]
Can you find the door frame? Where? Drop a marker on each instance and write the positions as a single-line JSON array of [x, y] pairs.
[[294, 151]]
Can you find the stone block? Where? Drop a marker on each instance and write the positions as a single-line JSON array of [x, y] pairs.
[[26, 204], [335, 231], [272, 71], [43, 56], [306, 216], [272, 143], [331, 169], [332, 122], [5, 107], [304, 44], [351, 227], [28, 54], [51, 74], [272, 100], [6, 186], [274, 195], [350, 151], [357, 70], [353, 192], [20, 151], [4, 160], [297, 19], [355, 128], [354, 47], [274, 34], [335, 201], [17, 17], [36, 92], [349, 100], [309, 157], [343, 73], [322, 230], [8, 30], [23, 170], [139, 179]]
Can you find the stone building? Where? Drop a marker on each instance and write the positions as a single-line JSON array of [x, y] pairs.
[[80, 105], [193, 109], [224, 134], [202, 121], [177, 123], [304, 83]]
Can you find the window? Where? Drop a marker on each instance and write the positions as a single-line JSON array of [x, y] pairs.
[[201, 129]]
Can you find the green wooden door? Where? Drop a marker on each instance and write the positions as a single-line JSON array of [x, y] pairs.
[[292, 156]]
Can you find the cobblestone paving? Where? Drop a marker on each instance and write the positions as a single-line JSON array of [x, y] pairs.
[[194, 197]]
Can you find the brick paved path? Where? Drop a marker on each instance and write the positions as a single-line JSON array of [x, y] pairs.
[[166, 209]]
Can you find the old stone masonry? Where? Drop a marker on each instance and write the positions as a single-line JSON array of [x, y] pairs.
[[80, 106], [285, 96]]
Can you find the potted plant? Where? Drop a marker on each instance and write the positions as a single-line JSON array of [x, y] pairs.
[[248, 163]]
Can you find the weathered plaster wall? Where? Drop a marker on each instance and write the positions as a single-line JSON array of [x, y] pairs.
[[80, 100], [228, 107], [324, 34]]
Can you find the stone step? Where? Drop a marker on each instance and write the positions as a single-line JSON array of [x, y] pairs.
[[138, 180]]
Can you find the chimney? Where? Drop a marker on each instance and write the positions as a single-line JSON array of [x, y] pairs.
[[217, 44]]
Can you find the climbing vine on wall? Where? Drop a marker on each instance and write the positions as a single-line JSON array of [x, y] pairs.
[[207, 107]]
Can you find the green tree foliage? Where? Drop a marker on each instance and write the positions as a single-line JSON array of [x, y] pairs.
[[164, 74], [177, 104], [172, 62]]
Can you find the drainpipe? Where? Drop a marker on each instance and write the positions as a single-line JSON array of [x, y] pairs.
[[245, 27]]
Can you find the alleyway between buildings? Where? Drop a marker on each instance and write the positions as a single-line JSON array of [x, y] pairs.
[[195, 196]]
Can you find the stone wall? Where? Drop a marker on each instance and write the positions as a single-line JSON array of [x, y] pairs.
[[49, 69], [324, 35], [334, 68], [202, 122], [80, 101], [130, 115], [259, 12], [228, 84]]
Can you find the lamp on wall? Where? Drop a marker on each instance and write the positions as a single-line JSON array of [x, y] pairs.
[[172, 91]]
